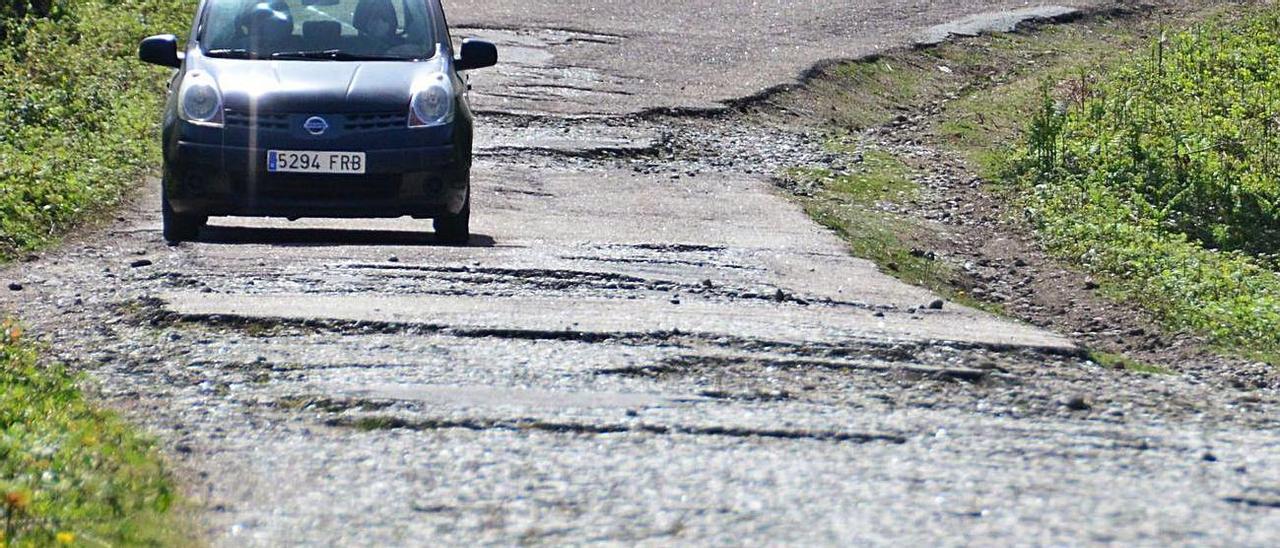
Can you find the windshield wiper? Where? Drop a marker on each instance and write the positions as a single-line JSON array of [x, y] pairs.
[[232, 53], [334, 55]]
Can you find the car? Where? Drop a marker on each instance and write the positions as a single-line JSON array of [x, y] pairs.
[[317, 108]]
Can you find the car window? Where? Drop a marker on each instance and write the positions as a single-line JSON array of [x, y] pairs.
[[318, 29]]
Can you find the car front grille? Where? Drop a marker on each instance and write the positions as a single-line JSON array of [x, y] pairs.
[[375, 121], [350, 123], [239, 119]]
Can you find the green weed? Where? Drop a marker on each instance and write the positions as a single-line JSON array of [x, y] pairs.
[[1118, 361], [70, 473], [1164, 175], [78, 113]]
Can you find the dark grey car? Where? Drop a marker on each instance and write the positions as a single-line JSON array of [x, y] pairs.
[[318, 108]]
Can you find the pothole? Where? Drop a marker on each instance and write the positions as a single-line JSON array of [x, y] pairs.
[[530, 79], [588, 140]]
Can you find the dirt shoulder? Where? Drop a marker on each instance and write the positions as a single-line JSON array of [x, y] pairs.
[[944, 117]]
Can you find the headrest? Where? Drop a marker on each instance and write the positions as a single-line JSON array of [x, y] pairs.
[[322, 31], [266, 21], [370, 12]]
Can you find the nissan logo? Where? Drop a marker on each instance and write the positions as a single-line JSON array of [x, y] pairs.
[[315, 125]]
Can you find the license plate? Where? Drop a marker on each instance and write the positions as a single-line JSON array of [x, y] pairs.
[[305, 161]]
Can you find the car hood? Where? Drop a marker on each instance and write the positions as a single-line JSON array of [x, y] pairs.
[[317, 86]]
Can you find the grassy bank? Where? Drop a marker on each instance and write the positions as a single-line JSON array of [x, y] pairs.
[[78, 122], [1141, 153], [972, 97], [78, 113], [1164, 176], [70, 473]]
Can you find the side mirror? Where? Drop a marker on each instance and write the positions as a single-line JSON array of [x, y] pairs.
[[160, 50], [476, 54]]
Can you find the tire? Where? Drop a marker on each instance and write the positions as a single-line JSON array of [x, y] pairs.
[[180, 227], [455, 229]]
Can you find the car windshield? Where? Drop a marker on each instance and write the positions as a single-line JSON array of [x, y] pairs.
[[322, 30]]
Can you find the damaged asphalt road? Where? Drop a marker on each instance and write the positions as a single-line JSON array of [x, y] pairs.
[[644, 342]]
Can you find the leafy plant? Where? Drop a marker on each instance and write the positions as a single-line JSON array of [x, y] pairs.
[[1164, 175], [68, 471], [78, 113]]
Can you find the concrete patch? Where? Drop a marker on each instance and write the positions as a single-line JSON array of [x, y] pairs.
[[997, 21], [530, 78], [535, 317], [586, 140]]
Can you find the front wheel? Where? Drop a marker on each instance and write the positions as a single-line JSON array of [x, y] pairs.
[[179, 227], [455, 229]]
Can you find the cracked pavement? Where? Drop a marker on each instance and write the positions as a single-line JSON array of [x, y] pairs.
[[645, 342]]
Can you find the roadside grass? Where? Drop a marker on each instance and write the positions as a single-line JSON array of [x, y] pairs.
[[858, 206], [986, 123], [956, 80], [70, 473], [1145, 156], [871, 92], [78, 127], [1119, 361], [1164, 176], [79, 114]]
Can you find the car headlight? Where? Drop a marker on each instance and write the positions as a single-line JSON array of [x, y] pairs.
[[199, 100], [432, 103]]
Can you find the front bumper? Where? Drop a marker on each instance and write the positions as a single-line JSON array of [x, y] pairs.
[[204, 179]]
